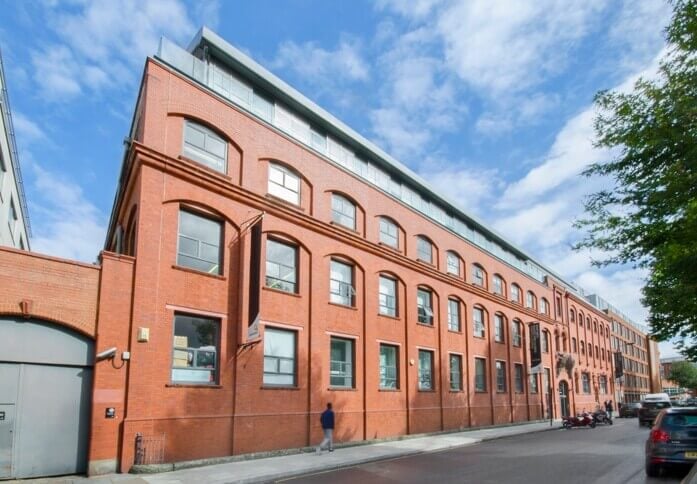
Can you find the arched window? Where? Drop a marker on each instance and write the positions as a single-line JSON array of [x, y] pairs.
[[544, 306], [452, 262], [573, 345], [515, 293], [284, 183], [205, 146], [530, 300], [499, 285], [478, 275], [572, 316], [343, 211], [389, 232], [424, 249], [545, 341]]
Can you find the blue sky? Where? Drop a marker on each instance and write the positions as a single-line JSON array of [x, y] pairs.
[[489, 100]]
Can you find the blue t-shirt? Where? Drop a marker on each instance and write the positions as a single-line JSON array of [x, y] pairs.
[[327, 419]]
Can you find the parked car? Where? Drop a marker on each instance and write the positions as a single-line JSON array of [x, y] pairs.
[[673, 440], [630, 410], [649, 411]]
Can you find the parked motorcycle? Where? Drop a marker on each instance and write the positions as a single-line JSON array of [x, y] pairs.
[[581, 420], [601, 417]]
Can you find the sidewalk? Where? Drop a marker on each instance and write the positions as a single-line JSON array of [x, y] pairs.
[[269, 469]]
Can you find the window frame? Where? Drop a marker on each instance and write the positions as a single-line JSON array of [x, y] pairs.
[[380, 367], [383, 235], [296, 258], [395, 296], [339, 214], [420, 246], [455, 373], [478, 275], [347, 300], [453, 269], [499, 328], [194, 352], [480, 379], [517, 333], [428, 317], [501, 383], [530, 300], [478, 327], [457, 327], [294, 360], [282, 191], [585, 382], [201, 154], [519, 386], [515, 291], [221, 237], [351, 354], [498, 285], [421, 371]]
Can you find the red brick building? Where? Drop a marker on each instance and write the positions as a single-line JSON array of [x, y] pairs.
[[373, 291]]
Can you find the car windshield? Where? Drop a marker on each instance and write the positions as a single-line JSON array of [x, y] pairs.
[[656, 405], [680, 420]]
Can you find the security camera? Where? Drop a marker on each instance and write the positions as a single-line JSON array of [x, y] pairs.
[[106, 354]]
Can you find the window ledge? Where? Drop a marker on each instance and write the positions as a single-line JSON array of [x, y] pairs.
[[341, 389], [391, 247], [200, 273], [396, 318], [479, 337], [456, 391], [286, 203], [193, 385], [389, 390], [454, 331], [352, 308], [206, 168], [280, 387], [454, 276], [280, 291], [480, 391], [426, 391], [499, 342], [419, 323], [426, 263], [344, 227]]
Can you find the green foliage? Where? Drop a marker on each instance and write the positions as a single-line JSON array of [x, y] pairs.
[[684, 374], [649, 219]]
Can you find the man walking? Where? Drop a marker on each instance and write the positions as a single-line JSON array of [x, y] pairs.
[[327, 421]]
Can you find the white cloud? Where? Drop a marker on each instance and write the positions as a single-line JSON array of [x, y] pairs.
[[321, 66], [65, 223], [26, 129], [470, 188], [102, 43], [622, 288]]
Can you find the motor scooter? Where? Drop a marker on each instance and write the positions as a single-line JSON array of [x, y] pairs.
[[582, 420], [602, 417]]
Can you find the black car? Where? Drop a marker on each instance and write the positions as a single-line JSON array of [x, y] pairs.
[[673, 440], [630, 410], [649, 411]]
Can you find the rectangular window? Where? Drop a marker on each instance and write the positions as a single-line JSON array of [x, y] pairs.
[[478, 320], [424, 250], [281, 266], [544, 342], [586, 383], [203, 145], [195, 353], [425, 370], [341, 363], [453, 315], [3, 169], [343, 212], [284, 184], [388, 296], [499, 334], [389, 234], [479, 375], [603, 384], [518, 378], [341, 289], [456, 372], [500, 377], [199, 243], [424, 306], [279, 357], [533, 383], [389, 378], [453, 263], [529, 300], [12, 218], [517, 335], [543, 306], [477, 276]]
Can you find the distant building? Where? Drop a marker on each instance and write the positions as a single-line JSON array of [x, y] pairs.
[[669, 386], [14, 217]]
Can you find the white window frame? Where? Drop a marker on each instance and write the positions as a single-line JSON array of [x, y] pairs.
[[386, 226], [426, 382], [387, 381], [421, 254], [202, 154], [478, 275], [479, 326], [343, 211], [281, 362], [424, 306], [387, 302], [454, 315], [515, 293], [455, 372], [342, 369], [284, 183], [498, 285], [516, 331], [452, 261], [340, 291], [499, 329]]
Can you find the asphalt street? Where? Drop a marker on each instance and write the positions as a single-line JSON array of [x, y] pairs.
[[604, 455]]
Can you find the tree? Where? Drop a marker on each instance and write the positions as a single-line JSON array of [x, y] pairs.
[[684, 374], [649, 218]]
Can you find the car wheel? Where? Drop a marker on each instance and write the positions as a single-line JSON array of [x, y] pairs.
[[609, 421], [566, 425], [652, 470], [592, 424]]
